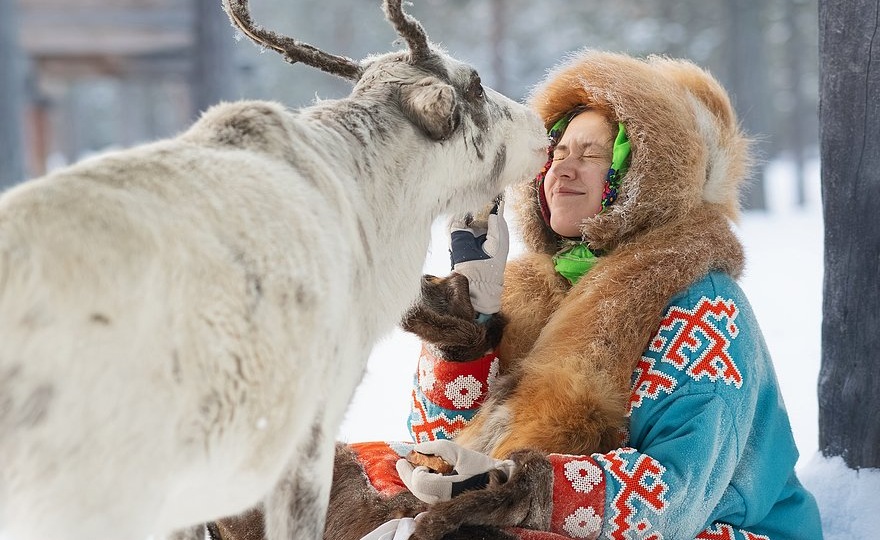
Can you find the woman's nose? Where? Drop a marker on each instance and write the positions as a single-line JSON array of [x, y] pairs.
[[563, 169]]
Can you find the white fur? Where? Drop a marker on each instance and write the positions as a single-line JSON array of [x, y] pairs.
[[183, 322]]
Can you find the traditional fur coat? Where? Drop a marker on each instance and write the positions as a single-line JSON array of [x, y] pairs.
[[572, 350], [607, 393]]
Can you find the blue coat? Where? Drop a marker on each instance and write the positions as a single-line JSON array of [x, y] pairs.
[[709, 453]]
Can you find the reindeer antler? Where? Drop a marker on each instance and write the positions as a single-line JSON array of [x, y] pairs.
[[409, 29], [291, 49]]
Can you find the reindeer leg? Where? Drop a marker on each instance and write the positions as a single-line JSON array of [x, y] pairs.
[[297, 506]]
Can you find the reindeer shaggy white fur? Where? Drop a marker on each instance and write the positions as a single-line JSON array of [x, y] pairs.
[[183, 322]]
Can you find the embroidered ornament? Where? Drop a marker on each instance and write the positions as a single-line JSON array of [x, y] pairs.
[[619, 166]]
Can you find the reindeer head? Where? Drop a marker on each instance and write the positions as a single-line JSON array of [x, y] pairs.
[[475, 134]]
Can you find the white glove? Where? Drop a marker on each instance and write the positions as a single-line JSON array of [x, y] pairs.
[[470, 471], [396, 529], [479, 252]]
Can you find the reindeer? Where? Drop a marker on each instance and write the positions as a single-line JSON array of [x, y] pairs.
[[183, 323]]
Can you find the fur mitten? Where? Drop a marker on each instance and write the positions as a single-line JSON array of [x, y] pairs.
[[444, 318], [525, 500]]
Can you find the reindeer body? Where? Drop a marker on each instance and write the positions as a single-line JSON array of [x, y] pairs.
[[184, 323]]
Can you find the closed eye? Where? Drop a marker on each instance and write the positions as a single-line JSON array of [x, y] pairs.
[[561, 152]]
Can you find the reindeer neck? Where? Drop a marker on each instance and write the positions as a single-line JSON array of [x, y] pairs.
[[380, 172], [382, 159]]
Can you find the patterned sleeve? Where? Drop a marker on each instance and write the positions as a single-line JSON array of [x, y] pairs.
[[649, 494], [692, 395], [446, 395]]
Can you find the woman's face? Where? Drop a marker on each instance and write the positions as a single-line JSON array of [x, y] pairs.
[[574, 185]]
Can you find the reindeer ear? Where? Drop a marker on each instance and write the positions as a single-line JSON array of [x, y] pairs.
[[432, 105]]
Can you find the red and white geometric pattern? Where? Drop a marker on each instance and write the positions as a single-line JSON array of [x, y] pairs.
[[578, 496], [583, 523], [640, 482], [649, 383], [464, 391], [698, 328], [718, 531], [430, 427], [583, 474], [456, 385]]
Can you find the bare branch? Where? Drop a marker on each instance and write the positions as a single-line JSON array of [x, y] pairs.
[[291, 49], [408, 28]]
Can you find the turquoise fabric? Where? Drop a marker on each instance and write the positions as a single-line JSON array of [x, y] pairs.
[[706, 394]]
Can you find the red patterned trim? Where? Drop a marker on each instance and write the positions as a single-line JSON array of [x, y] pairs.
[[698, 325], [723, 531], [456, 385], [578, 496], [643, 483], [378, 461], [718, 531], [428, 428], [649, 383]]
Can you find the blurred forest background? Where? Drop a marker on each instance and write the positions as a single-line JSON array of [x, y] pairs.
[[82, 76]]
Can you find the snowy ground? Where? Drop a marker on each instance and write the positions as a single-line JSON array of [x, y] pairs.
[[784, 283]]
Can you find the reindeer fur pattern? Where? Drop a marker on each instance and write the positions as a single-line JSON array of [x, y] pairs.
[[185, 322]]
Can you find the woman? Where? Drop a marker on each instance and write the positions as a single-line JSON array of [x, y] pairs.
[[632, 394]]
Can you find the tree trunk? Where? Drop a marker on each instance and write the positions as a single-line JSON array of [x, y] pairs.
[[213, 56], [11, 97], [849, 114]]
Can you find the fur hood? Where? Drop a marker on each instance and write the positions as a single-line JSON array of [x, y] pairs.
[[687, 148]]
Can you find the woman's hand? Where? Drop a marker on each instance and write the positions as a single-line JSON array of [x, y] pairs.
[[479, 248], [470, 470]]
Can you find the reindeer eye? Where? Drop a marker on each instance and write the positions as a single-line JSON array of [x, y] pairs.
[[475, 90]]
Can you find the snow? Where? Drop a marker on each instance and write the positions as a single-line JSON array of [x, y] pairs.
[[783, 281], [847, 498]]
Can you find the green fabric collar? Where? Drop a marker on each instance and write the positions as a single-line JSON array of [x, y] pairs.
[[574, 262]]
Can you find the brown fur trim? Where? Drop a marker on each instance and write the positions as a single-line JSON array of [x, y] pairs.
[[532, 293], [686, 144], [355, 509], [525, 500], [568, 354], [443, 316]]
